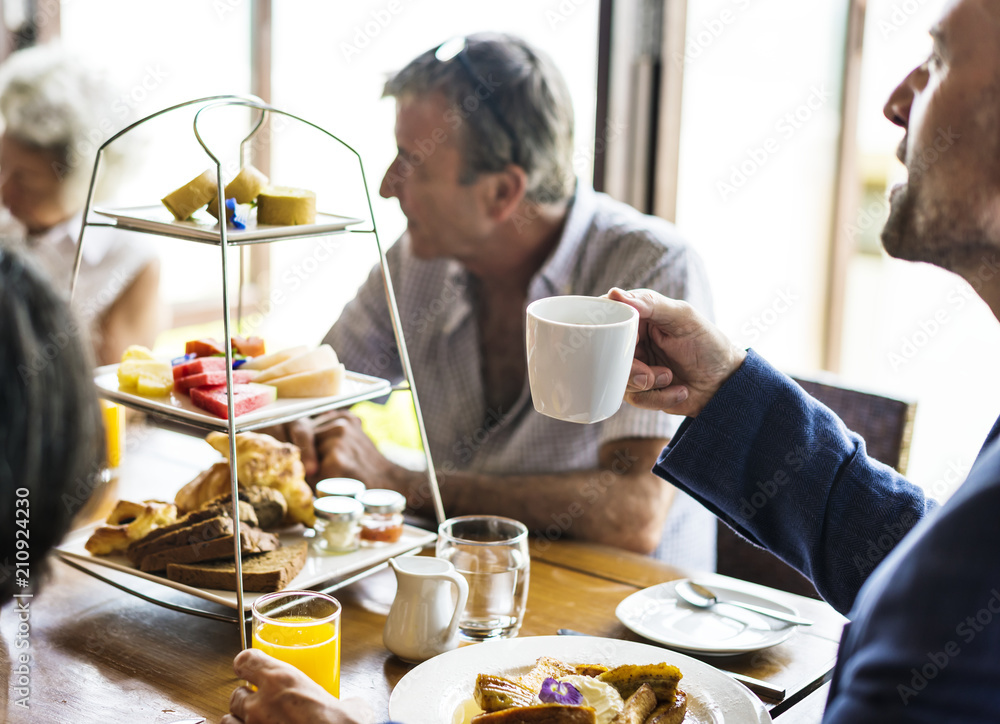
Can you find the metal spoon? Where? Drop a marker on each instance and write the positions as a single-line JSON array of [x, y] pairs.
[[701, 597]]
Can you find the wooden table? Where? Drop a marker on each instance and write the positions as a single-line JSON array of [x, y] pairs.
[[101, 655]]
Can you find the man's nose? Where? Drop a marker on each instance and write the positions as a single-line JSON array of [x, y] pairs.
[[390, 181], [897, 108]]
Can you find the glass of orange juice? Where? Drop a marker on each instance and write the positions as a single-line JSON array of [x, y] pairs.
[[301, 628], [114, 432]]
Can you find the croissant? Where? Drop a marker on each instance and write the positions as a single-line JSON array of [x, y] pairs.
[[129, 521], [262, 460], [209, 484]]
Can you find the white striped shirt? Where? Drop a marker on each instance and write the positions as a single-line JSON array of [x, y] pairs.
[[604, 244]]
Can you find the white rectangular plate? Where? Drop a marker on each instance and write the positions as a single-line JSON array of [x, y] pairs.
[[203, 227], [318, 568], [355, 388]]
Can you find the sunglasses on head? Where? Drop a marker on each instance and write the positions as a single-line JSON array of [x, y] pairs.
[[455, 49]]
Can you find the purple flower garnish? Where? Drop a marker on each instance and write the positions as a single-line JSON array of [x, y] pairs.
[[558, 692]]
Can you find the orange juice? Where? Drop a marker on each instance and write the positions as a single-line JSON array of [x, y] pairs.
[[114, 431], [313, 648]]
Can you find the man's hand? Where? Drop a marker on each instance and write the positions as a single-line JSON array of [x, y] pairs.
[[286, 695], [300, 434], [345, 451], [681, 359]]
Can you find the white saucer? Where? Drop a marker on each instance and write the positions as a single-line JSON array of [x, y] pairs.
[[659, 615]]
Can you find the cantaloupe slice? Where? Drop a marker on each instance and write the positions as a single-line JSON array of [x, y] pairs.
[[316, 359], [269, 360], [314, 383]]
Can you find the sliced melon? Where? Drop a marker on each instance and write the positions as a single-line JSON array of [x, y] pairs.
[[314, 383], [317, 359], [269, 360]]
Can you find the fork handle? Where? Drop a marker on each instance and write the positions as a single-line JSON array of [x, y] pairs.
[[781, 616]]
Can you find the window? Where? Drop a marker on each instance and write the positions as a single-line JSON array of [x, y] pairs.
[[161, 55]]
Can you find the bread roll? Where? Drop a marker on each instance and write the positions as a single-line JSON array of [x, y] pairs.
[[208, 484]]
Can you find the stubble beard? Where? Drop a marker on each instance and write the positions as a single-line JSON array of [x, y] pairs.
[[942, 232]]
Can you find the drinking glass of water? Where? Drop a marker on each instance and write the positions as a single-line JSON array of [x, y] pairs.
[[492, 553]]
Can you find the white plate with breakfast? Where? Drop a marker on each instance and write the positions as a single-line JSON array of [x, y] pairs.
[[658, 614], [202, 227], [443, 689]]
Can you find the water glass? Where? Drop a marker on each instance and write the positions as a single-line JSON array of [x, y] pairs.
[[301, 628], [492, 554]]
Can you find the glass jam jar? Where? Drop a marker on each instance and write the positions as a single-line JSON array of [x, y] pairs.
[[383, 519], [348, 487], [338, 524]]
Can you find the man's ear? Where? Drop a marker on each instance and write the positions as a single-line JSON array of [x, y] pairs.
[[507, 191]]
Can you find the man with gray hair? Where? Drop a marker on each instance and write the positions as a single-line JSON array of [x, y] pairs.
[[495, 220]]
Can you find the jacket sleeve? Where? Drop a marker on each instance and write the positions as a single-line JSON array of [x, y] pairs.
[[783, 471]]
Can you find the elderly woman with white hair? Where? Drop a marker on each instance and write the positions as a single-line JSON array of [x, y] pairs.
[[56, 113]]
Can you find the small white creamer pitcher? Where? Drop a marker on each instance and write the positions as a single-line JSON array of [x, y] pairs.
[[423, 621]]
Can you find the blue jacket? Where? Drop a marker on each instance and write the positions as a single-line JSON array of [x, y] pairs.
[[921, 582]]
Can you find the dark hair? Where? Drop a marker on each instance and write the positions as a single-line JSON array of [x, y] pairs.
[[527, 89], [51, 434]]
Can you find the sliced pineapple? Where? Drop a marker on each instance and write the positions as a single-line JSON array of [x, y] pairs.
[[157, 384], [155, 377], [137, 351]]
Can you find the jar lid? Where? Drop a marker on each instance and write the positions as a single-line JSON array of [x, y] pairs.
[[381, 501], [340, 486], [338, 507]]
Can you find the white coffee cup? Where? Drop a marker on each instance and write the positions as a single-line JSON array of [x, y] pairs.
[[580, 352]]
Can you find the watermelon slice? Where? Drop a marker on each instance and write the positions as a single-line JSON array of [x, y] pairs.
[[199, 365], [246, 398], [213, 378]]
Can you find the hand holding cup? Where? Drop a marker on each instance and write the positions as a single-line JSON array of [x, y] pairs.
[[681, 359]]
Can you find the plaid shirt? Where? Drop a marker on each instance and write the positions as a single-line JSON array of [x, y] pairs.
[[604, 244]]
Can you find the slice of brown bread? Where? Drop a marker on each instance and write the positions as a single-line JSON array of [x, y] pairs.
[[262, 572], [252, 540], [199, 532], [189, 519]]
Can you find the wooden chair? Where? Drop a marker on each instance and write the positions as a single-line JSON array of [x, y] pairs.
[[885, 423]]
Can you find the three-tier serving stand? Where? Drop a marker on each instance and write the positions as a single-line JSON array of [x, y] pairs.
[[224, 238]]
